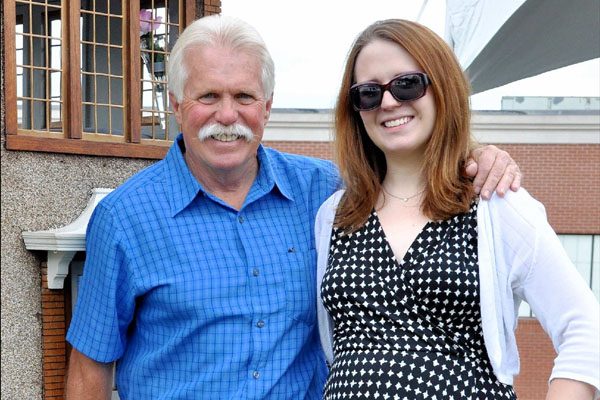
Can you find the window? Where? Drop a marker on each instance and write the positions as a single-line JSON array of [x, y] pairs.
[[90, 75]]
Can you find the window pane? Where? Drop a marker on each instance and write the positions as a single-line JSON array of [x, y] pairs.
[[39, 115], [102, 89], [115, 7], [116, 31], [159, 29], [101, 6], [87, 60], [38, 58], [116, 91], [100, 27], [89, 117], [23, 81], [88, 93], [102, 66], [116, 121], [55, 116], [87, 5], [102, 119], [116, 61], [579, 249], [101, 57], [583, 250], [55, 54]]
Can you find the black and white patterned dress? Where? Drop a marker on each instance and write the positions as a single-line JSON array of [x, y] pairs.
[[408, 329]]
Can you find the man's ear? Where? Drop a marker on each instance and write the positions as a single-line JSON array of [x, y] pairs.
[[268, 109], [175, 105]]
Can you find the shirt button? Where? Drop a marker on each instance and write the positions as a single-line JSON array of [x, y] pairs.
[[241, 219], [255, 272], [260, 323], [256, 374]]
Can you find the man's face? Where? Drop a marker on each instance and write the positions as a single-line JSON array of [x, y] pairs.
[[223, 87]]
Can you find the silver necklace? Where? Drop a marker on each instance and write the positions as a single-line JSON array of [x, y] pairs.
[[404, 199]]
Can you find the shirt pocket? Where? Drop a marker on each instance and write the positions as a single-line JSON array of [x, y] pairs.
[[299, 276]]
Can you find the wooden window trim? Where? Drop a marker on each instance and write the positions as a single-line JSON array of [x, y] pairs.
[[10, 69], [72, 140]]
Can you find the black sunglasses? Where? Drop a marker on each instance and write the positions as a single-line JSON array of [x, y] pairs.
[[405, 87]]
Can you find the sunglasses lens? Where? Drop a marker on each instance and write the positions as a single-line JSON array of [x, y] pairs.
[[366, 97], [408, 87]]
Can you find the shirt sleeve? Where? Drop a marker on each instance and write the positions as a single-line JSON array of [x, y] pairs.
[[106, 300]]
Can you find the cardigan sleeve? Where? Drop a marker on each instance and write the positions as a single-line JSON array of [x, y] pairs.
[[323, 226], [560, 298]]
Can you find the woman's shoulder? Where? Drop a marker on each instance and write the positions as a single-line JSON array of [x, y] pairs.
[[519, 206]]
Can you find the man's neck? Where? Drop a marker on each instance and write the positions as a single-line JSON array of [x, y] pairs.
[[231, 186]]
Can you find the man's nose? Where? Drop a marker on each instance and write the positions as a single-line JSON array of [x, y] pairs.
[[227, 112]]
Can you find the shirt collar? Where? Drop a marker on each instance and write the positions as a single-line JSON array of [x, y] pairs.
[[183, 187], [270, 176]]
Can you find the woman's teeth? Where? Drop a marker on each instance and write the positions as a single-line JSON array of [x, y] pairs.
[[397, 122]]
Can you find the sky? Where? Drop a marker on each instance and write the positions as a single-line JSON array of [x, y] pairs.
[[309, 40]]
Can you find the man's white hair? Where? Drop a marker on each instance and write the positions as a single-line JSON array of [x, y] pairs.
[[219, 31]]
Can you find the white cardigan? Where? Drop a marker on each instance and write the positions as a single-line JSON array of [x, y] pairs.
[[520, 258]]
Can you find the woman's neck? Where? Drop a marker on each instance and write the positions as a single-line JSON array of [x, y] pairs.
[[403, 177]]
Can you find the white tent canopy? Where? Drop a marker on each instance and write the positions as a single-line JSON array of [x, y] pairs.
[[502, 41]]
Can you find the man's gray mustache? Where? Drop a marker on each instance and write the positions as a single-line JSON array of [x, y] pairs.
[[235, 129]]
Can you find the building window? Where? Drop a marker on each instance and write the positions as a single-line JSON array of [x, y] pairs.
[[90, 75]]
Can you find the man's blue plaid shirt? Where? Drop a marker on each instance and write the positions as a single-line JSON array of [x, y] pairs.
[[198, 300]]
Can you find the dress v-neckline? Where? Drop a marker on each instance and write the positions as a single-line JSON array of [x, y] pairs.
[[410, 250]]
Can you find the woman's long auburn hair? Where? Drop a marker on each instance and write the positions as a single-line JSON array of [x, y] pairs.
[[362, 164]]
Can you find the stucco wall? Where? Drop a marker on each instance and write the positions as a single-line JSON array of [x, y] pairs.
[[39, 191]]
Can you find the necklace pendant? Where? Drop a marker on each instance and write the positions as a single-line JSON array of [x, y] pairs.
[[404, 199]]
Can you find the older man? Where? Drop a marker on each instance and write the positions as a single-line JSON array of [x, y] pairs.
[[200, 271]]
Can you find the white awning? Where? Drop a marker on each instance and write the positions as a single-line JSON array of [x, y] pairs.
[[498, 42]]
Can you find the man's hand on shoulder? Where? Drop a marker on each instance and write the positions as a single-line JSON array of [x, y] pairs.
[[493, 170]]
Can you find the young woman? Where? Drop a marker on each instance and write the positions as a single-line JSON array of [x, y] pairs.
[[419, 281]]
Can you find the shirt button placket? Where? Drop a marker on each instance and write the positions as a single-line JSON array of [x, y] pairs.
[[255, 272]]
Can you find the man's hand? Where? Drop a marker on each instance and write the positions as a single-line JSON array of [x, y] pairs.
[[493, 169]]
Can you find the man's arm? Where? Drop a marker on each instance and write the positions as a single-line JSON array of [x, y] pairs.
[[493, 169], [88, 379]]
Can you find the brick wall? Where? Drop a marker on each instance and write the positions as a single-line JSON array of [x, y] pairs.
[[313, 149], [564, 177], [212, 7], [53, 340]]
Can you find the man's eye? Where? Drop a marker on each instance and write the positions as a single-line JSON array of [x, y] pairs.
[[245, 98], [208, 98]]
